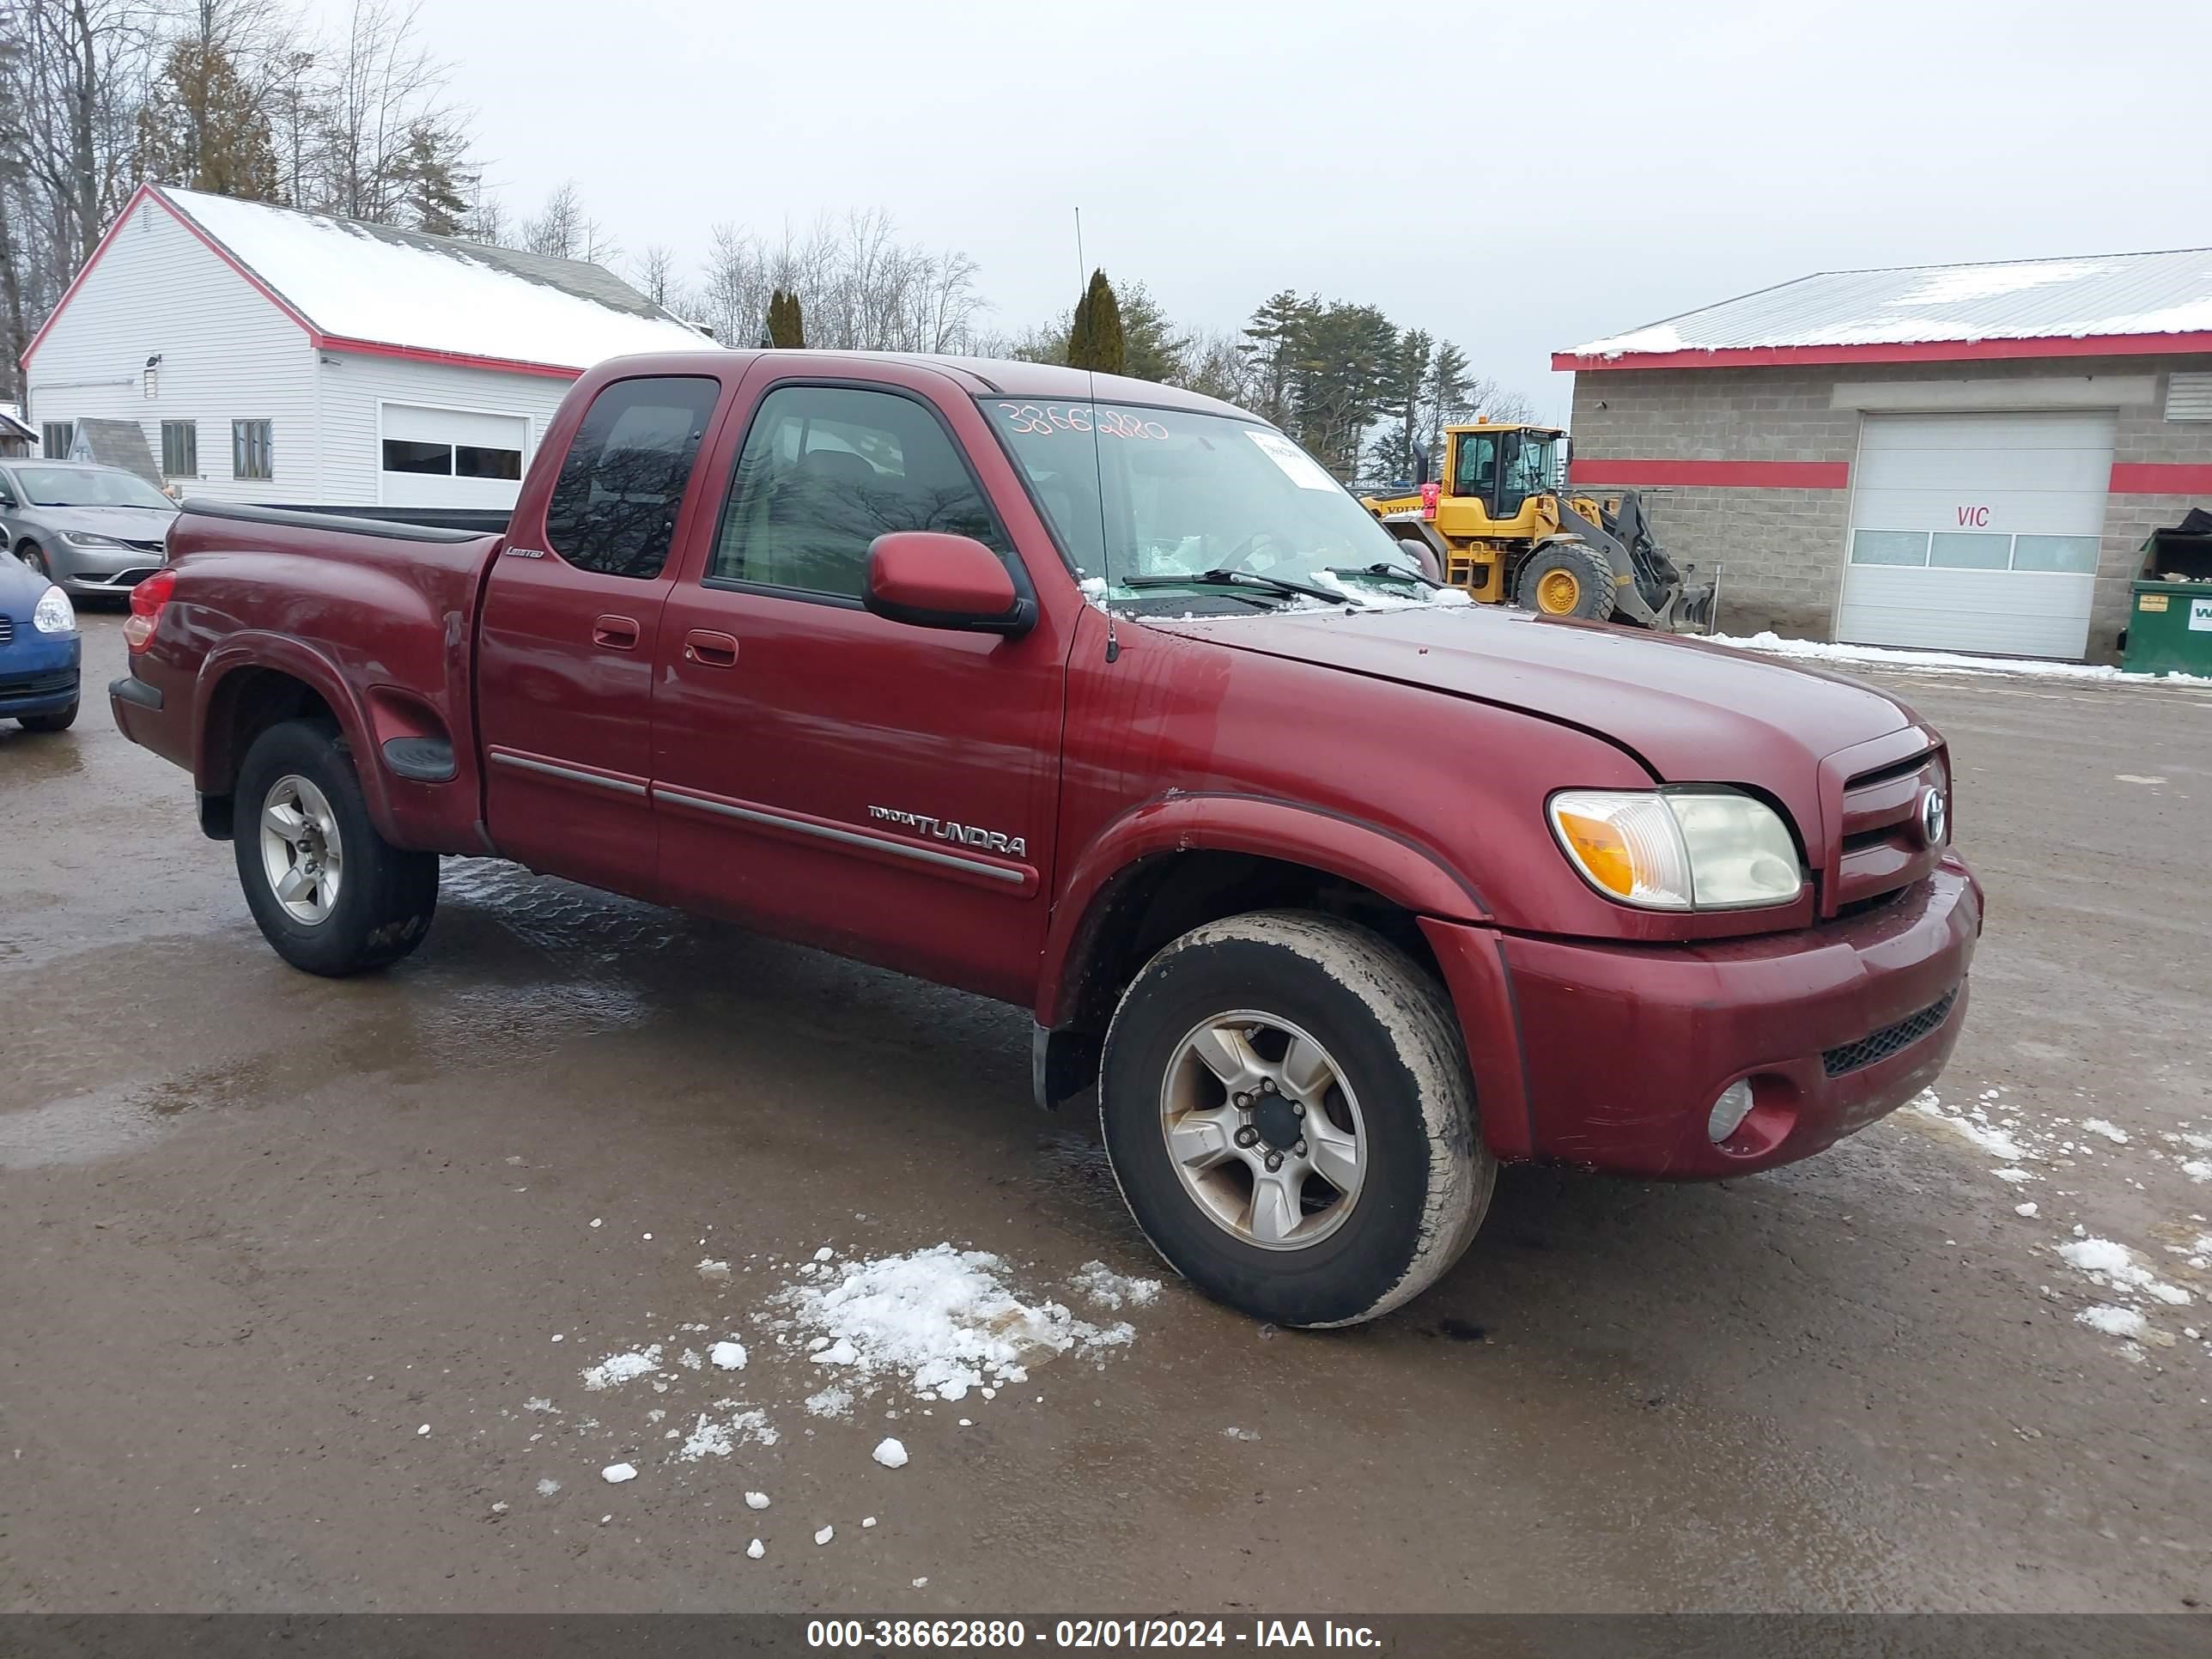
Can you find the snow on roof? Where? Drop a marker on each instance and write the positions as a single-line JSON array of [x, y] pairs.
[[2120, 294], [371, 283], [12, 422]]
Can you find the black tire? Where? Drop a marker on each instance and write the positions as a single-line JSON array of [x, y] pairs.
[[60, 721], [1390, 1030], [387, 895], [35, 556], [1593, 579]]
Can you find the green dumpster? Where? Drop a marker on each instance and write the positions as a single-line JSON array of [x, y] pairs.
[[2170, 606], [2170, 628]]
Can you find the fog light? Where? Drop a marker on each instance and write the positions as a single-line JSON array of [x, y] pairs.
[[1729, 1111]]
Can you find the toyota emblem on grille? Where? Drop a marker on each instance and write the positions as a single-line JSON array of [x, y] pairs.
[[1931, 817]]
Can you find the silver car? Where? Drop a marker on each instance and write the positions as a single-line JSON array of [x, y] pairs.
[[90, 529]]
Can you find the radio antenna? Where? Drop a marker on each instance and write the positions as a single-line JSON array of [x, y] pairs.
[[1097, 463]]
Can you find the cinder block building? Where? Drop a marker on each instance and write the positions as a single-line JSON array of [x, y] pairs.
[[1959, 457]]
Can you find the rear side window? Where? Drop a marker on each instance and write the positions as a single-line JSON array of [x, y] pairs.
[[614, 506]]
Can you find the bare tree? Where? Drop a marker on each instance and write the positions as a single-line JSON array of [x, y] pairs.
[[563, 230], [383, 91], [860, 287]]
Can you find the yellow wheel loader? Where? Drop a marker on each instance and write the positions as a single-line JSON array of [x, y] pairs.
[[1499, 523]]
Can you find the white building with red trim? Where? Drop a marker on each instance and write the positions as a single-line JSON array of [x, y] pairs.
[[272, 356], [1957, 457]]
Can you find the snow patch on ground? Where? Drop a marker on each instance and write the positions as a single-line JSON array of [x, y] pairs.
[[2111, 1131], [2113, 1321], [1993, 1140], [617, 1368], [890, 1453], [1942, 662], [728, 1355], [2114, 1265], [1104, 1288], [943, 1320], [713, 1439]]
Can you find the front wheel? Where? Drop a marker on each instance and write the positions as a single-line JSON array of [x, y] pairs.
[[1564, 579], [1286, 1104], [331, 894]]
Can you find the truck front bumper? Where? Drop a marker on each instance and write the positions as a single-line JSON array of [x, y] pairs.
[[1618, 1052]]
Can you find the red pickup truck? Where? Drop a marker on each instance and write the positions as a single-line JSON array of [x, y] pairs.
[[1103, 699]]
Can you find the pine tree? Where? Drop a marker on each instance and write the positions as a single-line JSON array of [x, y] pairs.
[[1404, 376], [201, 126], [1272, 341], [436, 185], [786, 328], [1095, 340]]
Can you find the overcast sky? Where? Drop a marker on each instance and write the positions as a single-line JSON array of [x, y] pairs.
[[1517, 179]]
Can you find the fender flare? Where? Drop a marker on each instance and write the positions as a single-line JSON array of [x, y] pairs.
[[1400, 868], [301, 662]]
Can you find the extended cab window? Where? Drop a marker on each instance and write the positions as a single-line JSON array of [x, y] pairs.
[[825, 470], [613, 507]]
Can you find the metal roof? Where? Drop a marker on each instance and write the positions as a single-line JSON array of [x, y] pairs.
[[2129, 303]]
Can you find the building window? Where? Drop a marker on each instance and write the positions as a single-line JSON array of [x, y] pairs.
[[476, 461], [404, 455], [55, 437], [249, 450], [451, 460], [180, 449]]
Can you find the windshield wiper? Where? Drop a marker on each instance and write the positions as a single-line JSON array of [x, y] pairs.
[[1384, 568], [1240, 579]]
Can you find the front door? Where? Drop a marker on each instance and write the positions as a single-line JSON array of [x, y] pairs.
[[571, 625], [877, 788]]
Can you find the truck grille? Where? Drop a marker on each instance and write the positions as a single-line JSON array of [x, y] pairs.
[[1881, 849], [1890, 1040]]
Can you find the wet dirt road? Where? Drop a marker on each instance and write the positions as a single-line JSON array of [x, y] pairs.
[[297, 1279]]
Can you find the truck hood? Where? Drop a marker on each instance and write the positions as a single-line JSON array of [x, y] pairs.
[[1691, 713]]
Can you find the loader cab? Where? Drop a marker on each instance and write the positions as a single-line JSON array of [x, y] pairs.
[[1501, 468]]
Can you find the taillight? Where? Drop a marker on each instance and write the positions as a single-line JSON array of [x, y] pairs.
[[146, 602]]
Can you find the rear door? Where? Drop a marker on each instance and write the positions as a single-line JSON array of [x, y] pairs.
[[883, 790], [570, 627]]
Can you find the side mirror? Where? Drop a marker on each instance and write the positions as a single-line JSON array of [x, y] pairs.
[[931, 580], [1421, 474]]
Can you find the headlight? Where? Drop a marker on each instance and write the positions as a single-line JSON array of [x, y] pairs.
[[1679, 849], [52, 615], [86, 539]]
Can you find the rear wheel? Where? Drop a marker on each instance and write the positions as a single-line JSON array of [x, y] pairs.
[[331, 894], [1286, 1104], [1564, 579]]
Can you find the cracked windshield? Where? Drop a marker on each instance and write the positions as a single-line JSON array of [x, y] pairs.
[[1172, 508]]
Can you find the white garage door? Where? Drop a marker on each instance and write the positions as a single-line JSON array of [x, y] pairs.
[[448, 457], [1977, 532]]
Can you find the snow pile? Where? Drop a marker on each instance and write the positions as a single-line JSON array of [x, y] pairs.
[[890, 1453], [728, 1355], [2114, 1133], [1941, 662], [942, 1319], [617, 1368], [1104, 1288], [614, 1473]]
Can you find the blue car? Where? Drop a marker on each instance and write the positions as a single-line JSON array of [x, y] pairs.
[[39, 650]]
